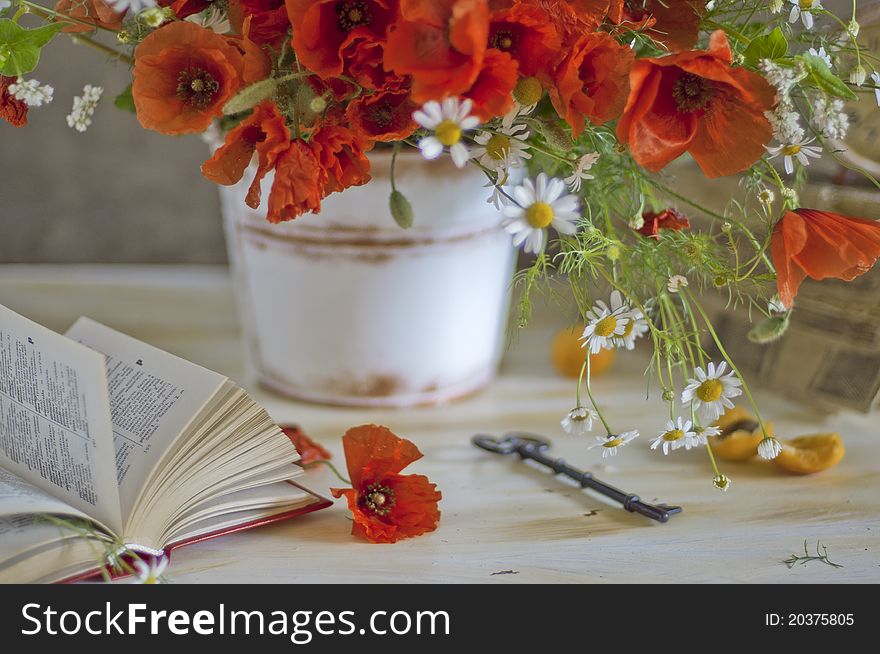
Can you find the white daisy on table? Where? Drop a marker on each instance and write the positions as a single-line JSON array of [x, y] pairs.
[[800, 151], [579, 421], [769, 448], [678, 433], [721, 482], [31, 92], [875, 77], [535, 207], [636, 328], [150, 573], [710, 392], [605, 324], [676, 283], [581, 171], [802, 9], [503, 150], [824, 56], [613, 442], [448, 121]]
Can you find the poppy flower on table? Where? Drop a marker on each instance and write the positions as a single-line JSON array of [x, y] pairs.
[[697, 102], [821, 244], [309, 450], [386, 506]]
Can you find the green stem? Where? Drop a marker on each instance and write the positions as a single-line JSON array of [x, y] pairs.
[[737, 35], [330, 465], [592, 400]]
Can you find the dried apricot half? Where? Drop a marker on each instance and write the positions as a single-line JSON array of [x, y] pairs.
[[740, 435], [805, 455], [568, 355]]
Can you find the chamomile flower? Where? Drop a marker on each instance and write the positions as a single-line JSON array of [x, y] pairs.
[[769, 448], [605, 324], [802, 9], [581, 173], [721, 482], [636, 327], [134, 6], [503, 150], [801, 151], [613, 442], [448, 122], [875, 77], [579, 421], [701, 436], [497, 198], [537, 206], [150, 573], [678, 433], [710, 392], [31, 92], [676, 283], [824, 56]]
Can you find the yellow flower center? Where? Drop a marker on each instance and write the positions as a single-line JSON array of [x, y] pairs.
[[606, 326], [673, 435], [539, 215], [710, 390], [448, 132], [805, 4], [790, 150], [498, 146], [614, 442], [628, 329], [528, 91]]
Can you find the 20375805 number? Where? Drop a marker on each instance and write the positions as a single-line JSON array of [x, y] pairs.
[[809, 619]]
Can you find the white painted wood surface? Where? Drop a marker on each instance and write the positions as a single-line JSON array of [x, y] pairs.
[[499, 515]]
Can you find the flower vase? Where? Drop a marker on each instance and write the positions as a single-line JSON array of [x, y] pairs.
[[345, 307]]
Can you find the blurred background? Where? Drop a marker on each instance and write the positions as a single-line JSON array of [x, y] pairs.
[[117, 193]]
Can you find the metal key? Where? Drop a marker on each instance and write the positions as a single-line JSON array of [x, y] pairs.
[[530, 446]]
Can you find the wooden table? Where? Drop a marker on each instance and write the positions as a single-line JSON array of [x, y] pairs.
[[502, 521]]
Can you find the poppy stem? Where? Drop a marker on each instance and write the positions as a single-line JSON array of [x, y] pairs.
[[309, 466]]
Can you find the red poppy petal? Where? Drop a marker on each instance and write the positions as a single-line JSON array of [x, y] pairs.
[[373, 452], [415, 509]]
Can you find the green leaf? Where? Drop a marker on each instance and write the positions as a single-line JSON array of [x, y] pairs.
[[401, 209], [124, 100], [820, 75], [20, 48], [769, 46]]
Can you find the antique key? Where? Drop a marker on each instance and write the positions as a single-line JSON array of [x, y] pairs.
[[529, 446]]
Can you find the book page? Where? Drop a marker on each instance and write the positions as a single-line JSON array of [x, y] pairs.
[[55, 428], [153, 396]]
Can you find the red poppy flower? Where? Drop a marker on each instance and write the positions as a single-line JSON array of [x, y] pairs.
[[264, 132], [299, 183], [323, 30], [342, 155], [386, 506], [820, 244], [268, 20], [94, 12], [526, 32], [382, 116], [365, 64], [309, 450], [592, 82], [574, 18], [673, 25], [696, 102], [184, 74], [491, 92], [440, 43], [666, 219], [184, 8], [12, 110]]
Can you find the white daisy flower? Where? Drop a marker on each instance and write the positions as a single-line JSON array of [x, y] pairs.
[[213, 18], [701, 436], [636, 327], [612, 442], [517, 111], [802, 9], [84, 105], [31, 92], [679, 433], [606, 324], [710, 392], [497, 198], [503, 150], [581, 171], [774, 305], [579, 421], [537, 206], [769, 448], [448, 122], [134, 6], [676, 283], [824, 56], [150, 573], [875, 77], [800, 151], [721, 482]]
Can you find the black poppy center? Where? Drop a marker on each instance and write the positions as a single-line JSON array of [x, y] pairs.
[[197, 87], [692, 92], [377, 499], [352, 14]]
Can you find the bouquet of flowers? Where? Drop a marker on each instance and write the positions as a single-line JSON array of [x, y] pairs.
[[593, 99]]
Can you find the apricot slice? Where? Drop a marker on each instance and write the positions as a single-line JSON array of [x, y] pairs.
[[740, 435], [805, 455], [568, 355]]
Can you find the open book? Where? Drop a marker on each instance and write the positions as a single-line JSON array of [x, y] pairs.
[[143, 448]]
